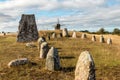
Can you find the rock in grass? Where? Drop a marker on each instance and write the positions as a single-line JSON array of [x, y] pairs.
[[74, 35], [53, 60], [30, 44], [54, 35], [18, 62], [59, 35], [102, 40], [85, 68], [109, 41], [44, 50], [84, 36], [93, 38], [65, 32], [40, 41]]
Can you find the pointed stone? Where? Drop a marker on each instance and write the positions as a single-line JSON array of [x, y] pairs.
[[44, 50], [93, 38], [65, 32], [53, 60], [27, 29], [74, 35], [102, 40], [109, 41], [85, 68], [84, 36]]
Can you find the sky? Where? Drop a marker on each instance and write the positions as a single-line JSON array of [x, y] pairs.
[[73, 14]]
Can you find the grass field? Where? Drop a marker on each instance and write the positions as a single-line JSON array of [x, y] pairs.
[[106, 58]]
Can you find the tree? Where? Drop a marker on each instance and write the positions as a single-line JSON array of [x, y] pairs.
[[116, 31], [101, 31]]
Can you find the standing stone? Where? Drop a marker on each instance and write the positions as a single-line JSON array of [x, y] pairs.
[[18, 62], [53, 60], [40, 41], [27, 29], [109, 41], [54, 35], [48, 37], [93, 38], [85, 68], [44, 50], [65, 32], [59, 35], [102, 39], [74, 35], [84, 36]]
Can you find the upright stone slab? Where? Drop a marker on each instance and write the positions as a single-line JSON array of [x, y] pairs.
[[109, 41], [44, 50], [84, 36], [102, 40], [40, 41], [74, 35], [53, 60], [93, 38], [65, 32], [59, 35], [27, 29], [85, 68], [54, 35]]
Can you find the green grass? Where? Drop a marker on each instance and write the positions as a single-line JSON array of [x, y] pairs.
[[106, 58]]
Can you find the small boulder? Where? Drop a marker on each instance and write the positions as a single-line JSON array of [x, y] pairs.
[[18, 62], [30, 44], [53, 60], [85, 68], [44, 50]]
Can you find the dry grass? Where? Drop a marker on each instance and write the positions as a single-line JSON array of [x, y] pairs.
[[106, 58]]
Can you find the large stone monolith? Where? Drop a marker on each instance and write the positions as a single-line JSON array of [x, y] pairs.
[[27, 29], [65, 32], [109, 41], [84, 36], [85, 68], [44, 50], [102, 40], [53, 60], [93, 38], [74, 35], [18, 62]]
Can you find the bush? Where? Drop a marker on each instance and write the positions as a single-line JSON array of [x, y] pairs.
[[101, 31]]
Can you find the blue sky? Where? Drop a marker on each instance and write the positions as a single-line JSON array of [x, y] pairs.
[[73, 14]]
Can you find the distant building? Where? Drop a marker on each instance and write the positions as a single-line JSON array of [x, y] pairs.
[[57, 27]]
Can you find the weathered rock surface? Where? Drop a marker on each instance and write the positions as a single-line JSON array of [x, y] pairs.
[[40, 41], [27, 29], [44, 50], [65, 32], [85, 68], [74, 35], [30, 45], [18, 62], [93, 38], [54, 35], [53, 60], [102, 40], [109, 41], [84, 36]]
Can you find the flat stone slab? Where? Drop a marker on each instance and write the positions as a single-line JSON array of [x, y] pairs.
[[18, 62]]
